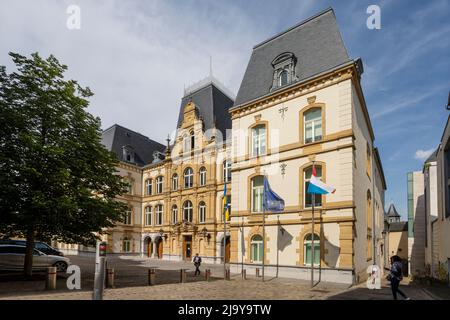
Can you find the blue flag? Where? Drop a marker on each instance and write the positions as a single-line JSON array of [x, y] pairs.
[[272, 202]]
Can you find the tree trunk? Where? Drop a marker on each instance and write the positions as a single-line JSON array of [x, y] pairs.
[[28, 264]]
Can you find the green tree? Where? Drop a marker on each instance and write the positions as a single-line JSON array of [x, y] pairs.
[[57, 180]]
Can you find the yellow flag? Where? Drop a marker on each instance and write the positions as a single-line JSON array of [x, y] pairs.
[[225, 203]]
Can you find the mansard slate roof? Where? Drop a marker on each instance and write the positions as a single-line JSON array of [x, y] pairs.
[[116, 137], [212, 106], [398, 226], [316, 43], [392, 212]]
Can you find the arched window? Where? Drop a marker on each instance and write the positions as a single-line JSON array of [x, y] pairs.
[[159, 185], [159, 214], [126, 245], [188, 178], [175, 182], [128, 215], [174, 214], [257, 185], [148, 216], [256, 248], [259, 140], [202, 212], [313, 125], [187, 211], [283, 78], [202, 176], [307, 173], [307, 252], [226, 171], [148, 187]]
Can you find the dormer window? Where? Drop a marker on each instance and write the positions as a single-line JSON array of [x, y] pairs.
[[283, 70], [283, 78], [128, 154]]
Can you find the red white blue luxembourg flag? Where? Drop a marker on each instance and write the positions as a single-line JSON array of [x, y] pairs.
[[318, 187]]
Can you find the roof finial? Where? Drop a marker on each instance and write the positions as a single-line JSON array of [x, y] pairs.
[[168, 146]]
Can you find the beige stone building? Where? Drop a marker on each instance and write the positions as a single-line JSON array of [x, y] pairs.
[[296, 106], [300, 102]]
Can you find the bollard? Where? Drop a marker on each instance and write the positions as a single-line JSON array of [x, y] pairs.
[[257, 272], [110, 278], [244, 274], [207, 274], [227, 274], [50, 278], [182, 275], [151, 276]]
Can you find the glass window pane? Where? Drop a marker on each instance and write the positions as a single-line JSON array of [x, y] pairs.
[[313, 114]]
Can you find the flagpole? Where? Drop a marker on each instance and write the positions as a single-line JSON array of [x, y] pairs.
[[312, 236], [224, 240], [312, 241], [264, 227]]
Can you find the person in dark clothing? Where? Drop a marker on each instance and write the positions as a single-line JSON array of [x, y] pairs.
[[396, 276], [197, 262]]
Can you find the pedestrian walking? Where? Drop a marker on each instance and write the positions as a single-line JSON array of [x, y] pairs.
[[395, 276], [197, 262]]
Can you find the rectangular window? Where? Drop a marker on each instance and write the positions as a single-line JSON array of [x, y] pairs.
[[159, 215], [159, 185], [257, 193], [202, 177], [308, 196], [202, 214], [257, 252], [259, 140], [308, 253], [126, 246], [174, 215], [313, 125], [175, 183], [148, 187], [127, 219], [148, 216]]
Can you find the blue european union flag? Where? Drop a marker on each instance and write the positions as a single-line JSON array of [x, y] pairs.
[[272, 202]]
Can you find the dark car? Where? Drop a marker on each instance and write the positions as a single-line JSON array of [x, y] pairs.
[[41, 246]]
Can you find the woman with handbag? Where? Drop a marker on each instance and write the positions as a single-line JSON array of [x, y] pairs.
[[395, 276]]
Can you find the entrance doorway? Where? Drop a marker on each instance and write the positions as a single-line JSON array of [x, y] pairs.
[[227, 250], [187, 248], [159, 248], [148, 247]]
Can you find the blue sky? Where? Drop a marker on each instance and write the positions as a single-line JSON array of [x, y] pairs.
[[138, 55]]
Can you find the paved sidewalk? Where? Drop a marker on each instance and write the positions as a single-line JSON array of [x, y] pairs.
[[131, 284]]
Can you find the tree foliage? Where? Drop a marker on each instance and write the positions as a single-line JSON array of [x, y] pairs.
[[57, 180]]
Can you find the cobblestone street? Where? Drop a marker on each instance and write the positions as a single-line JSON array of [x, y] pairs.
[[131, 283]]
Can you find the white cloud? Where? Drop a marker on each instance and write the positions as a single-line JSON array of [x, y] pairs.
[[136, 56], [423, 154]]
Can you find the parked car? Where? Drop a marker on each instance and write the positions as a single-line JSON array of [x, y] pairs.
[[12, 257], [41, 246]]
